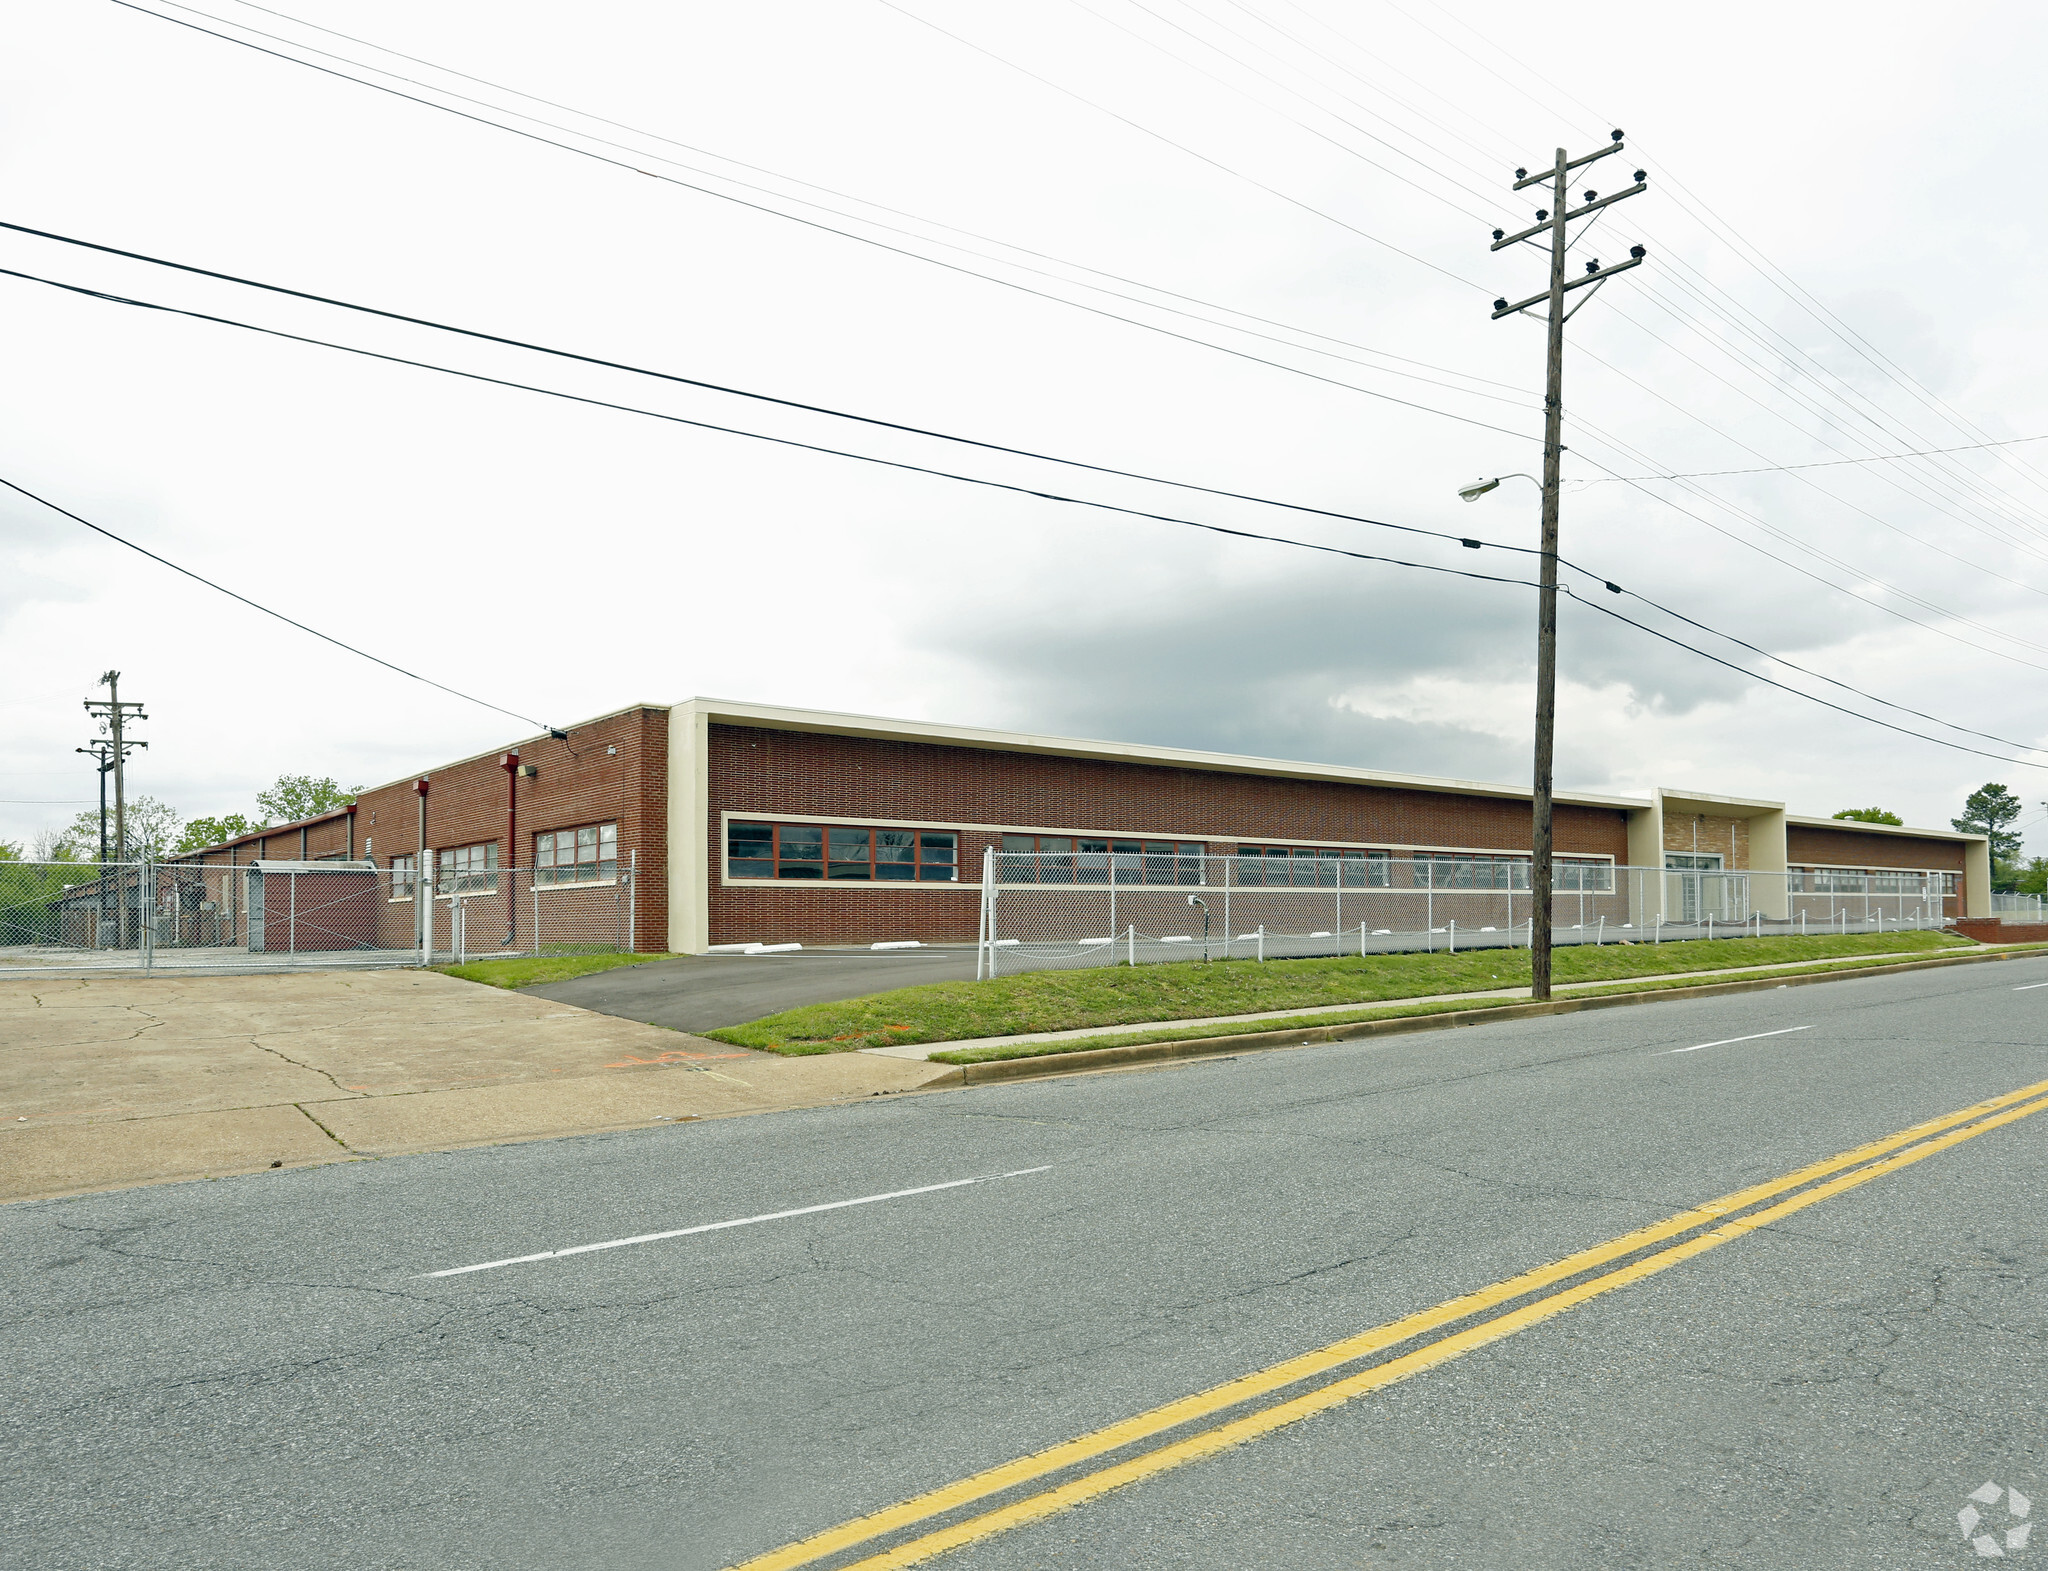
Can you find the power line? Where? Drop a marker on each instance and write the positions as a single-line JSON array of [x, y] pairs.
[[1042, 495], [266, 610], [1292, 201], [839, 414], [1830, 463], [668, 376], [821, 207], [779, 441]]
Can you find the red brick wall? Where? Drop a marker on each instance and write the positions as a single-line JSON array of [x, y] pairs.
[[615, 768], [1807, 846], [793, 774]]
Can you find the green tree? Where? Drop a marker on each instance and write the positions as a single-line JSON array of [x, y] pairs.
[[11, 851], [203, 833], [1989, 809], [1871, 815], [153, 828], [2033, 878], [301, 796]]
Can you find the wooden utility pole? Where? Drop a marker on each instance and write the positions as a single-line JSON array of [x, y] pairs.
[[114, 715], [1554, 219]]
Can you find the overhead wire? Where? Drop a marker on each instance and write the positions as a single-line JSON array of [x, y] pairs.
[[1058, 497], [724, 158], [257, 605], [1954, 476], [699, 383], [1757, 261], [133, 7], [869, 240]]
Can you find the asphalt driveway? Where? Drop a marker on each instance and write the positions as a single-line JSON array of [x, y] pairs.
[[702, 992]]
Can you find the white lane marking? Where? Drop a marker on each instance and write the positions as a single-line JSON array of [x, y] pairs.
[[2030, 987], [1758, 1037], [745, 1221]]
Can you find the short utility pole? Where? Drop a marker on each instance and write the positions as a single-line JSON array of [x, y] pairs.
[[114, 715], [1554, 220]]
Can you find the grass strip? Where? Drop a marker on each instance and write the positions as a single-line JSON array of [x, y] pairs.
[[1044, 1001], [1087, 1044], [529, 970]]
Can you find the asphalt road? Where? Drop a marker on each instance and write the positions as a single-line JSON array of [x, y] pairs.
[[702, 992], [259, 1373]]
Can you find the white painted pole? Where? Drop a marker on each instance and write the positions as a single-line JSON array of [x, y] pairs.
[[1454, 935], [1361, 940], [1131, 944], [1262, 943], [1600, 937]]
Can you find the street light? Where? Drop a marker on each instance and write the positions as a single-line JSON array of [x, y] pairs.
[[1479, 488]]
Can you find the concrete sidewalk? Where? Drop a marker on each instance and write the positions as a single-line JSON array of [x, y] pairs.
[[110, 1082]]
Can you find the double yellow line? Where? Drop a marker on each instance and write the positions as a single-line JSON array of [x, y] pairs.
[[1814, 1183]]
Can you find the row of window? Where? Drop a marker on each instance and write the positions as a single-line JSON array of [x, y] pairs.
[[1066, 859], [811, 851], [586, 855], [842, 852], [1855, 881]]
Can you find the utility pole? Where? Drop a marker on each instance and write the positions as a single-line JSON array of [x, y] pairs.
[[113, 713], [1555, 220]]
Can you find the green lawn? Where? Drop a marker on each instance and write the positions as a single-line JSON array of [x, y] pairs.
[[528, 970], [1119, 995]]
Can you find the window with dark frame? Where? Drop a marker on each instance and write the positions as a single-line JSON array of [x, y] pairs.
[[587, 854], [841, 853], [1464, 870], [1312, 867], [1083, 859]]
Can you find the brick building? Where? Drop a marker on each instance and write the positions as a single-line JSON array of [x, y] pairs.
[[749, 822]]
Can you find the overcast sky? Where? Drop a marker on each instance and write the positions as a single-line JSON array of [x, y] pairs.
[[1843, 224]]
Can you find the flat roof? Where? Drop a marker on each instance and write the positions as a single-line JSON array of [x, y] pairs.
[[779, 718]]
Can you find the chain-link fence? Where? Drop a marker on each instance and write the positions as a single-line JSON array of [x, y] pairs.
[[1042, 911], [260, 916]]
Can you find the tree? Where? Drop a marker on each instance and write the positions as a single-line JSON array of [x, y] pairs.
[[152, 830], [203, 833], [301, 796], [10, 851], [1987, 812], [2033, 878], [1871, 815]]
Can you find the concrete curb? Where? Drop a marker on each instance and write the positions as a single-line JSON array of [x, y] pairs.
[[1308, 1036]]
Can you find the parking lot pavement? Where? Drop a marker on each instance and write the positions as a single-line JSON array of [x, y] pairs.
[[702, 992]]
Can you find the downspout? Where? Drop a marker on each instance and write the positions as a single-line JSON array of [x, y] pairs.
[[351, 831], [509, 762]]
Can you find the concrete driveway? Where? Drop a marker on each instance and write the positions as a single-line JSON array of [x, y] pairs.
[[701, 992]]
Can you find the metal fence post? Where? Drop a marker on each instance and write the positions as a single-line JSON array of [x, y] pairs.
[[536, 918], [632, 869], [292, 908], [147, 897], [1229, 932]]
